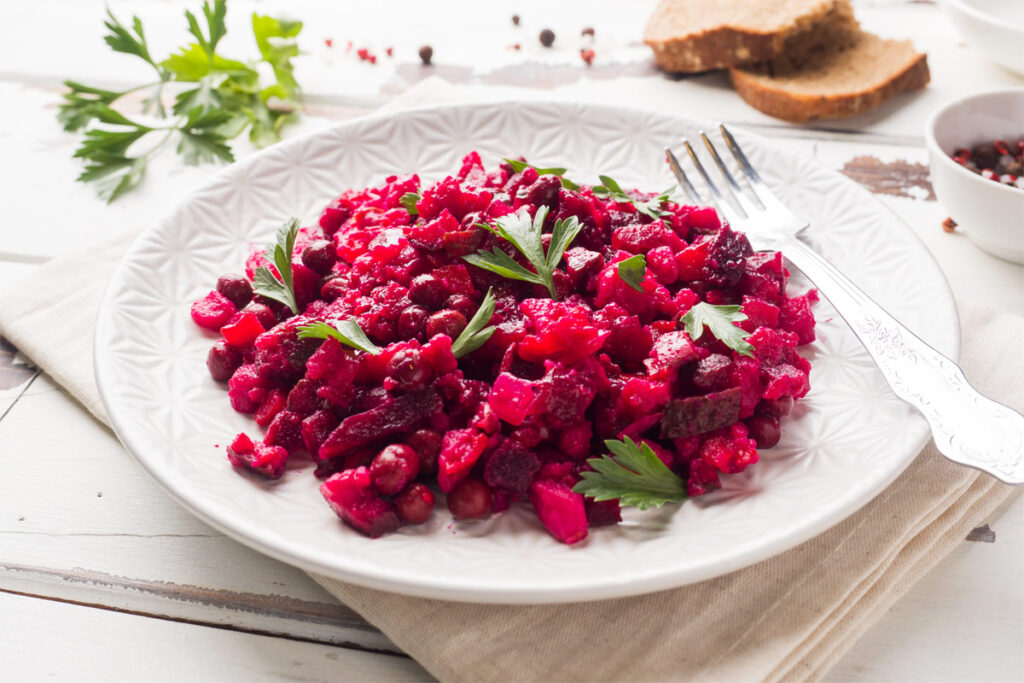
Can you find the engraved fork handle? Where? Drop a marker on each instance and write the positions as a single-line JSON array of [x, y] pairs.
[[968, 428]]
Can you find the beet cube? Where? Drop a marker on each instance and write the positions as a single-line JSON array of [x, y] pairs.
[[353, 499], [560, 510], [511, 467]]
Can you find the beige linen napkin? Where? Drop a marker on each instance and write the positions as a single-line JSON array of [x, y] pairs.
[[787, 618]]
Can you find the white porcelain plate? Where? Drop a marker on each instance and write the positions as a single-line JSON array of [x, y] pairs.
[[844, 443]]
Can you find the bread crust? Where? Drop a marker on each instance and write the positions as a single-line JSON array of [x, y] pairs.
[[725, 46], [758, 92]]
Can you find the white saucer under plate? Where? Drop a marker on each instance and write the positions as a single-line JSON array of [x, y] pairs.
[[845, 442]]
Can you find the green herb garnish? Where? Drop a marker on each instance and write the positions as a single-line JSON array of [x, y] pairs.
[[632, 271], [279, 253], [477, 331], [525, 234], [718, 319], [347, 332], [408, 202], [520, 166], [226, 97], [631, 474], [649, 207]]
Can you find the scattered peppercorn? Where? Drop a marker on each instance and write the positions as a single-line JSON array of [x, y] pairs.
[[515, 20], [588, 31], [426, 54], [329, 42], [547, 37], [587, 55], [390, 52], [515, 46], [949, 225]]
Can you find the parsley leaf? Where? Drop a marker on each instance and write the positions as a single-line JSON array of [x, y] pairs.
[[200, 142], [408, 202], [649, 207], [632, 271], [526, 235], [120, 39], [631, 474], [347, 332], [718, 319], [226, 97], [264, 282], [477, 331], [520, 166]]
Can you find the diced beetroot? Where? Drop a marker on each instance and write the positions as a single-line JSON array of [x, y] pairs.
[[270, 406], [213, 311], [245, 389], [730, 454], [785, 380], [603, 513], [759, 313], [511, 398], [700, 414], [560, 331], [713, 372], [662, 262], [460, 450], [243, 331], [582, 264], [798, 318], [285, 431], [703, 478], [395, 416], [351, 497], [267, 460], [315, 430], [670, 352], [560, 510], [302, 399], [511, 467], [641, 396], [640, 239], [574, 440]]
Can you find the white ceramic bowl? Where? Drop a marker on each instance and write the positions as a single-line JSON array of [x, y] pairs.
[[992, 214], [994, 28]]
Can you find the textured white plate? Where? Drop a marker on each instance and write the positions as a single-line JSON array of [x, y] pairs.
[[843, 444]]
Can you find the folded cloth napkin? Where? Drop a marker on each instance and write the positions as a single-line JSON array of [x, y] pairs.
[[787, 618]]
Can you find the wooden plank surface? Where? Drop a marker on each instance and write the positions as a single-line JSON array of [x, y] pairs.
[[76, 643]]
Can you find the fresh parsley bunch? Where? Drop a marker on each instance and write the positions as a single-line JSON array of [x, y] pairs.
[[223, 97]]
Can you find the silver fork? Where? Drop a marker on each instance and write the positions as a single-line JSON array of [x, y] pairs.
[[968, 428]]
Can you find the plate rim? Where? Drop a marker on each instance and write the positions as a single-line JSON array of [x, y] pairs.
[[455, 590]]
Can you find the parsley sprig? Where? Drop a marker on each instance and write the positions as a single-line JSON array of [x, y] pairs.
[[408, 202], [477, 331], [222, 98], [520, 166], [348, 332], [526, 235], [719, 320], [633, 475], [649, 207], [632, 271], [282, 288]]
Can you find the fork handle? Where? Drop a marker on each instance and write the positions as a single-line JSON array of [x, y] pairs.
[[968, 428]]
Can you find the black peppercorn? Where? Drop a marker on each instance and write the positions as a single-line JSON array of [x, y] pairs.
[[515, 20], [547, 37], [426, 54]]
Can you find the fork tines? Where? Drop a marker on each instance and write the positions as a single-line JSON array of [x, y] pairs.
[[737, 204]]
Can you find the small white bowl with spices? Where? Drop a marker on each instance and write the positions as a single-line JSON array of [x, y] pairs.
[[991, 213]]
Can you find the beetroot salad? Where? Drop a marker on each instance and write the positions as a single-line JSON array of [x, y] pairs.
[[506, 336]]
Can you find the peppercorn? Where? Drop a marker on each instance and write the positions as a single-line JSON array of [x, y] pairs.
[[949, 225], [426, 54], [547, 37], [515, 20], [588, 31]]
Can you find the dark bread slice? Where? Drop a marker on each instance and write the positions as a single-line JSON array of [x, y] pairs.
[[849, 73], [698, 35]]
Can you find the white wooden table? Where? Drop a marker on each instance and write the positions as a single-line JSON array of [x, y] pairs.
[[103, 577]]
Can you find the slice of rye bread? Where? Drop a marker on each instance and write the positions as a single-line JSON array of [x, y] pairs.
[[847, 74], [699, 35]]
